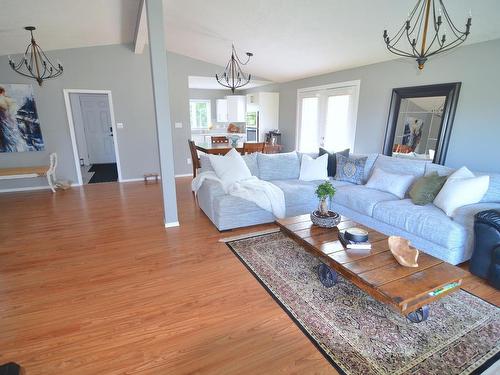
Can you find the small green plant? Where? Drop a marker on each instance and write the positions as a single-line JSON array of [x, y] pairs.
[[323, 191]]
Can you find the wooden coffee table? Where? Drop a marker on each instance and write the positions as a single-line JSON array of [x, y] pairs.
[[408, 290]]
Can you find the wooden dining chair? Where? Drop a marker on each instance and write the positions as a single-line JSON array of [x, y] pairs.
[[195, 160], [220, 140], [249, 148]]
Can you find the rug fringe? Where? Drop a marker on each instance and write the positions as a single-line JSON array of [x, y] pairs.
[[248, 235]]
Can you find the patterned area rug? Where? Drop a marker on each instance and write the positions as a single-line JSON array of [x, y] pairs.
[[359, 335]]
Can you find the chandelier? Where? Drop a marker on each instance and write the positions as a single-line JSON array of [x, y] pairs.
[[425, 31], [233, 76], [35, 64]]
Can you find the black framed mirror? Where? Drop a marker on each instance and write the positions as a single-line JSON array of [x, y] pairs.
[[420, 121]]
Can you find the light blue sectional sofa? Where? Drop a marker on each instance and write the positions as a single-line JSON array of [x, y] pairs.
[[427, 227]]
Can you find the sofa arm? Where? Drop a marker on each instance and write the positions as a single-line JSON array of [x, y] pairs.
[[486, 240], [489, 217]]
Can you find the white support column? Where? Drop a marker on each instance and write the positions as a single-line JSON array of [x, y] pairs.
[[158, 54]]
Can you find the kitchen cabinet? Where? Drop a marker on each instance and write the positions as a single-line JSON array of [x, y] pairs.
[[236, 108], [232, 109], [221, 107]]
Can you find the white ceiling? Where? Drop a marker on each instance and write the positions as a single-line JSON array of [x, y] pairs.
[[290, 38]]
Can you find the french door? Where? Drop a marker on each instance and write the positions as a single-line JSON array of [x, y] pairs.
[[327, 117]]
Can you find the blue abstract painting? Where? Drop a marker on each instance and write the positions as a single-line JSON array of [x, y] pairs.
[[19, 124]]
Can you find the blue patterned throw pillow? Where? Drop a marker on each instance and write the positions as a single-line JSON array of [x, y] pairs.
[[350, 169]]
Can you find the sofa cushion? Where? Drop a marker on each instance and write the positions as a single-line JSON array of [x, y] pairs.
[[460, 189], [400, 166], [394, 183], [332, 159], [493, 193], [278, 166], [425, 189], [427, 222], [250, 160], [360, 198], [298, 192], [351, 169], [313, 169], [439, 169]]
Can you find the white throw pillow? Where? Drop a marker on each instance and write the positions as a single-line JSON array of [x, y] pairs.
[[397, 184], [314, 169], [230, 168], [460, 189]]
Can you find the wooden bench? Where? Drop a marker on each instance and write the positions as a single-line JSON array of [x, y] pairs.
[[30, 172], [23, 172]]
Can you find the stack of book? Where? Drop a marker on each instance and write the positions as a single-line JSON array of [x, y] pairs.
[[349, 244]]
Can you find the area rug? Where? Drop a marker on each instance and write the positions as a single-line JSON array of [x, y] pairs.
[[360, 335]]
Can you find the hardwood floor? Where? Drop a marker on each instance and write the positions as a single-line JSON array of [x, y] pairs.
[[91, 283]]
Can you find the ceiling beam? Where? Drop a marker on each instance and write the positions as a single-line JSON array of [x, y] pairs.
[[141, 29]]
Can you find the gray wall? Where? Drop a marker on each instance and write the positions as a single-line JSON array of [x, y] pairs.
[[128, 76], [476, 130]]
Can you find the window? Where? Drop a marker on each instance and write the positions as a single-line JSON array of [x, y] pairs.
[[200, 113], [327, 117]]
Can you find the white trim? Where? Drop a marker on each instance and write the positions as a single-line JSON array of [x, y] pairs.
[[133, 179], [335, 85], [29, 188], [354, 83], [71, 125], [172, 224], [184, 175], [25, 189]]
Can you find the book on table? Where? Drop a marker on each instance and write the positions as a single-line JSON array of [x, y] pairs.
[[352, 244]]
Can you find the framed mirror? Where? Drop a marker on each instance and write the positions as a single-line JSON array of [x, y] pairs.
[[420, 121]]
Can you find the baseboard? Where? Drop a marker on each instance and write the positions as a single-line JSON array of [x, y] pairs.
[[172, 224], [184, 175], [132, 179], [28, 188]]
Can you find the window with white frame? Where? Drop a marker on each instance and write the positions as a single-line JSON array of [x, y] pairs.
[[327, 117], [200, 113]]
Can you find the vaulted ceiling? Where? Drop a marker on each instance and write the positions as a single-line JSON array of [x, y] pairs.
[[290, 38]]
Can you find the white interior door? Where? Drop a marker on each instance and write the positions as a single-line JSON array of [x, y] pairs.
[[98, 128], [327, 118]]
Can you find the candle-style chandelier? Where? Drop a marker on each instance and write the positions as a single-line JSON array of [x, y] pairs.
[[233, 76], [35, 63], [425, 32]]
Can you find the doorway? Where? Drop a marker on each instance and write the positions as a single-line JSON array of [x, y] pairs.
[[93, 135]]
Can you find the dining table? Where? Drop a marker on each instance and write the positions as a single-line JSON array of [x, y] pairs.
[[224, 148]]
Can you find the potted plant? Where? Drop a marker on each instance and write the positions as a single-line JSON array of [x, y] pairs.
[[324, 191], [323, 217]]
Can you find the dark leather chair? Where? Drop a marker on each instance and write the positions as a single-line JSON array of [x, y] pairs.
[[485, 261]]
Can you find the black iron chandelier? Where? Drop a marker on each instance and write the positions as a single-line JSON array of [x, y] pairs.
[[35, 63], [417, 31], [233, 76]]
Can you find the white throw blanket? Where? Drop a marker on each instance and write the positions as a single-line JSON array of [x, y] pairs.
[[264, 194]]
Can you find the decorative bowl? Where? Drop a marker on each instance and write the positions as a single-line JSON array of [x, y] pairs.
[[400, 248], [329, 221]]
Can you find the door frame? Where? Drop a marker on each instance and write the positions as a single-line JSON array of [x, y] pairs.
[[336, 85], [69, 113]]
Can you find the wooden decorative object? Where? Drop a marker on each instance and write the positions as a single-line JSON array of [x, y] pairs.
[[401, 250], [233, 129]]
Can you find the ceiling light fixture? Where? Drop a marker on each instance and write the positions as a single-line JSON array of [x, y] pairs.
[[35, 63], [423, 20], [233, 76]]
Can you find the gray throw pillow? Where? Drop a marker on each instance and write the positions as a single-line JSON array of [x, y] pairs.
[[332, 159], [350, 169]]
